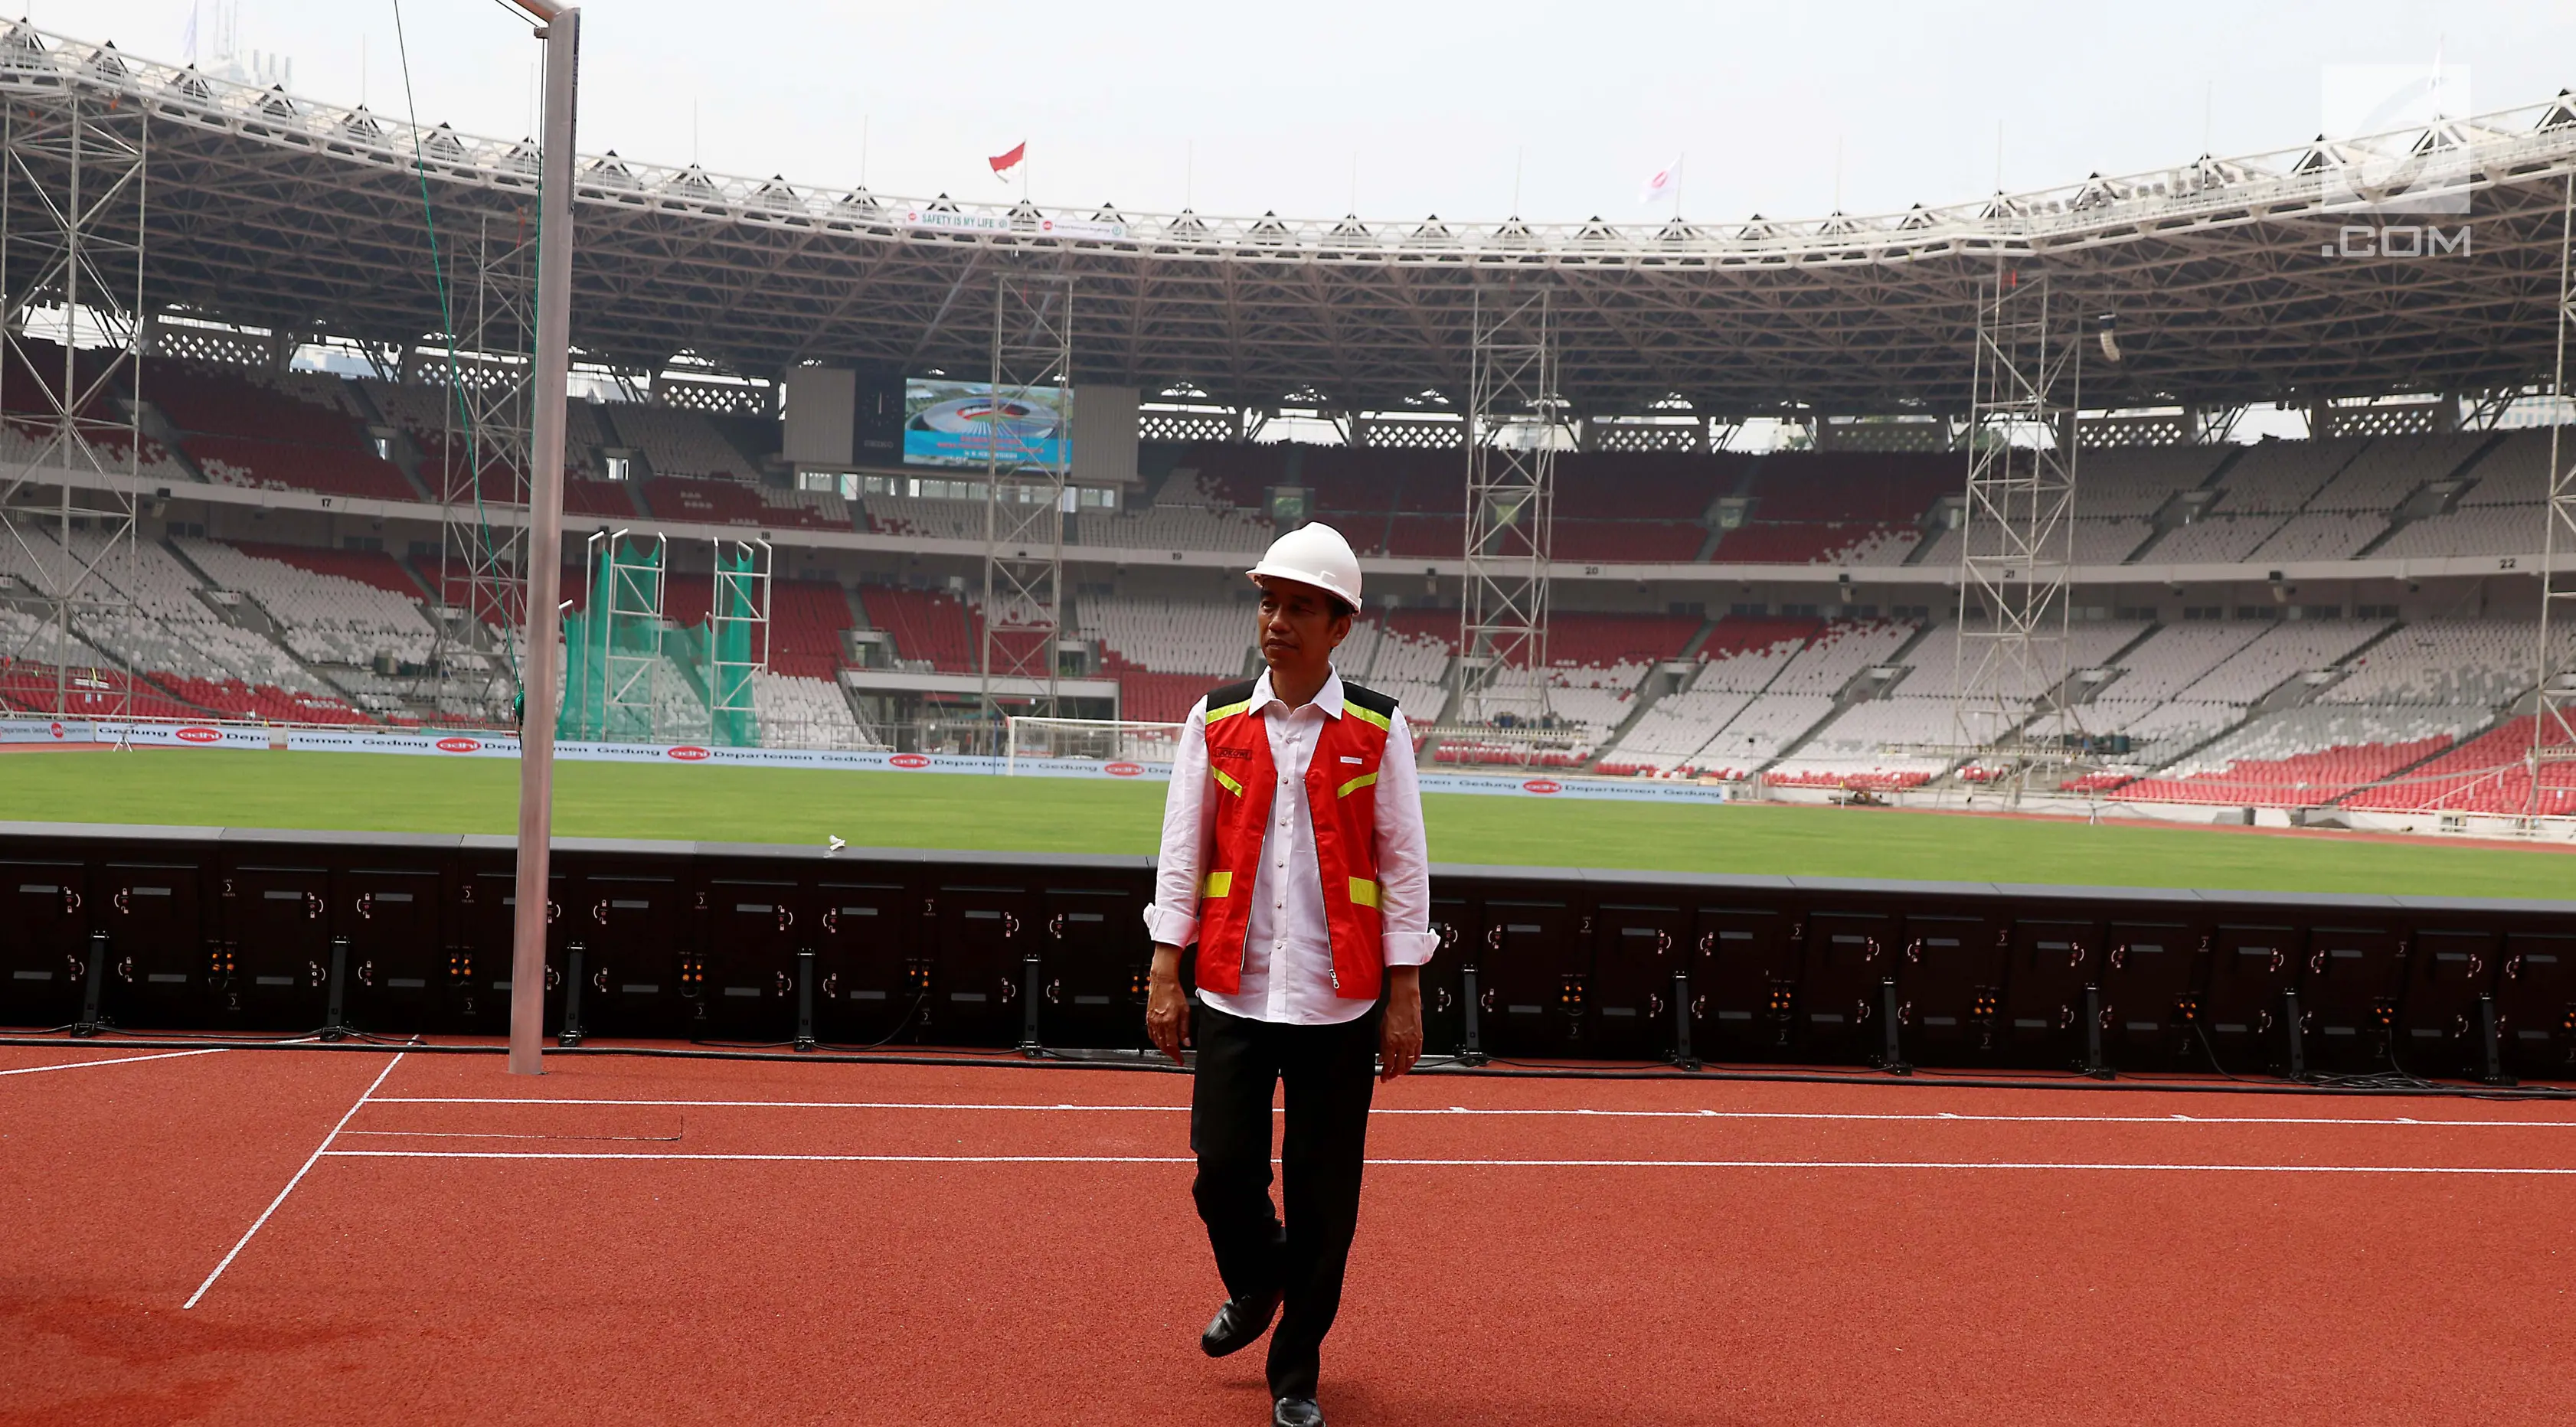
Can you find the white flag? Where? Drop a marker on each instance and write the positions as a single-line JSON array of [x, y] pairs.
[[1661, 183]]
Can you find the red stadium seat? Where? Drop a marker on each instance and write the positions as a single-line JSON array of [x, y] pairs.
[[932, 627]]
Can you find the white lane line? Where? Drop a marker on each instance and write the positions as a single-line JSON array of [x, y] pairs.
[[120, 1060], [1578, 1114], [314, 1159], [1487, 1163]]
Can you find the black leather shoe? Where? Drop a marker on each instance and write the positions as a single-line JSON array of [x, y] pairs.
[[1239, 1324], [1296, 1412]]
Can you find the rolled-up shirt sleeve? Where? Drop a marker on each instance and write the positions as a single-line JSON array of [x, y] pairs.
[[1173, 919], [1403, 855]]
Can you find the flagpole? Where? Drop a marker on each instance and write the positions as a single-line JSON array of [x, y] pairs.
[[1679, 165]]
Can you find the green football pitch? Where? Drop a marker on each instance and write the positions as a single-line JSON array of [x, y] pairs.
[[391, 792]]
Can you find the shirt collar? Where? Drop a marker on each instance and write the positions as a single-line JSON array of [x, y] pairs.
[[1327, 698]]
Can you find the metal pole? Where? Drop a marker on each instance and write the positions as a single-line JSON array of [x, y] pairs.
[[2554, 707], [562, 34]]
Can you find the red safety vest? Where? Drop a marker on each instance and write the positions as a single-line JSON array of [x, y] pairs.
[[1341, 798]]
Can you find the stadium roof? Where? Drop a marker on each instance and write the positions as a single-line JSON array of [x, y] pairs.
[[2233, 280]]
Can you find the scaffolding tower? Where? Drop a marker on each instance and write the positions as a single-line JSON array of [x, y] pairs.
[[1027, 459], [2553, 727], [1515, 423], [615, 646], [2017, 540], [737, 640], [73, 201], [482, 473]]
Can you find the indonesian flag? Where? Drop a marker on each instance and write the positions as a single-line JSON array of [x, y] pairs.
[[1660, 183], [1005, 162]]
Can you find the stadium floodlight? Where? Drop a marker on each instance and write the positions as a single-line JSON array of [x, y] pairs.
[[559, 26]]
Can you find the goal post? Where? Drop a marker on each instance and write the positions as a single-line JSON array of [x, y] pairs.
[[1103, 740]]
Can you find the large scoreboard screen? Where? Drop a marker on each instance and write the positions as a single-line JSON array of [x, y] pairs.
[[960, 423]]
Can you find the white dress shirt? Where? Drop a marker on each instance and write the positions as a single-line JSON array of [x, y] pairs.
[[1288, 955]]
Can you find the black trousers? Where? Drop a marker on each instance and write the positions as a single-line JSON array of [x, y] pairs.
[[1331, 1073]]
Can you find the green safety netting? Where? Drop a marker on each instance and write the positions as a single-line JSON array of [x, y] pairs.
[[631, 676], [729, 661]]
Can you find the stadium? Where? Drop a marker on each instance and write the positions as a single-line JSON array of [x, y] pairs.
[[2104, 637]]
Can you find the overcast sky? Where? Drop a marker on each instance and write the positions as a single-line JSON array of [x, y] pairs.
[[1415, 108]]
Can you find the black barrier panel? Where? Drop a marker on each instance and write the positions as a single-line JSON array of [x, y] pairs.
[[1531, 979], [1743, 982], [2348, 998], [1092, 967], [2046, 1011], [1444, 1010], [984, 931], [44, 944], [2150, 1004], [1636, 948], [396, 969], [166, 966], [741, 985], [276, 919], [2536, 1005], [2438, 1027], [871, 969], [632, 929], [1762, 955], [1848, 954], [2249, 969], [479, 931], [1950, 988]]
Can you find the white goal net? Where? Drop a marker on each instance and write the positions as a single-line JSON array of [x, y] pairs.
[[1103, 740]]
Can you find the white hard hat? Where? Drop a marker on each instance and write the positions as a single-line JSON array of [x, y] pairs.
[[1314, 555]]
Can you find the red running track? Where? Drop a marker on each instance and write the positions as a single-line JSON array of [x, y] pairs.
[[705, 1241]]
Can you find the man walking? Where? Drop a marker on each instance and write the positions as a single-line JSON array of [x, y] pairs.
[[1293, 856]]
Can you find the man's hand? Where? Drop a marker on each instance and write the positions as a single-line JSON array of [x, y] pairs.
[[1167, 1011], [1400, 1040]]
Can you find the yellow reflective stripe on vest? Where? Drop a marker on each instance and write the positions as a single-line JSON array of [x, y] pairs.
[[1228, 711], [1363, 892], [1355, 785], [1225, 782], [1219, 884], [1364, 715]]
